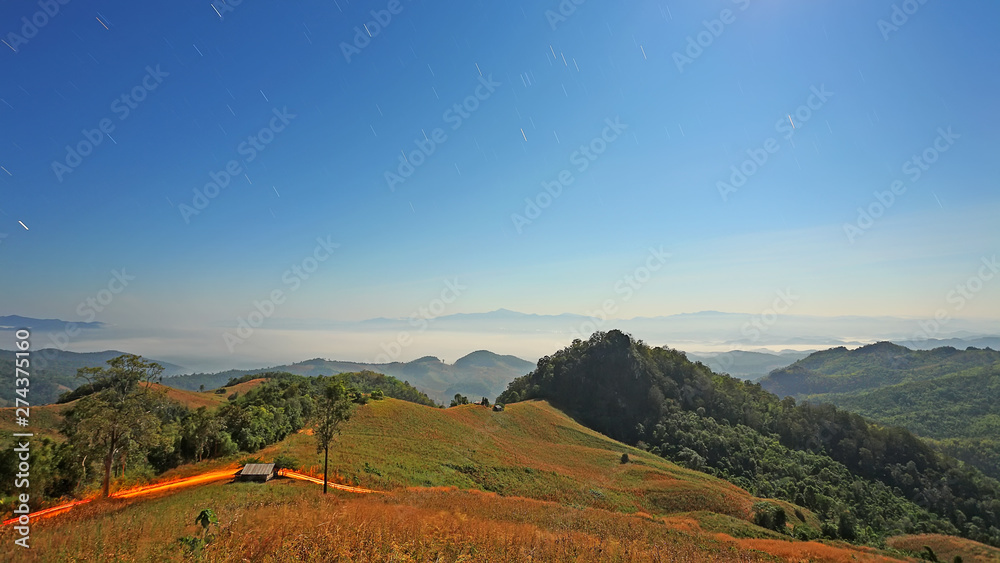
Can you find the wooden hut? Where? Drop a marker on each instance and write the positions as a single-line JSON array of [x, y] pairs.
[[259, 472]]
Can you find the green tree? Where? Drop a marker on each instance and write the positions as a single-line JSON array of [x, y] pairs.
[[459, 400], [333, 409], [120, 419]]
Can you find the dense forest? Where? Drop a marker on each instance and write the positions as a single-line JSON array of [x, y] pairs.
[[149, 433], [865, 481], [946, 395]]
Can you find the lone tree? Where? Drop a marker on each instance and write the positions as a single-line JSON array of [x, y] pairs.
[[120, 417], [333, 409]]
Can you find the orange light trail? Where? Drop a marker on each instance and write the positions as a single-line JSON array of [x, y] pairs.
[[135, 492], [303, 477], [184, 482]]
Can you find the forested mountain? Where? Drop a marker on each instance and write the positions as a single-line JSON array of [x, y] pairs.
[[949, 395], [839, 370], [479, 374], [53, 371], [864, 480]]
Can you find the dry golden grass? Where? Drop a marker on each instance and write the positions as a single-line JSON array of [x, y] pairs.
[[947, 547], [291, 521]]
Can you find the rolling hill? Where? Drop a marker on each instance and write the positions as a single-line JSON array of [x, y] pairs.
[[479, 374]]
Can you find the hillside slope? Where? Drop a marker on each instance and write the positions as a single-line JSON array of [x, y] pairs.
[[864, 480]]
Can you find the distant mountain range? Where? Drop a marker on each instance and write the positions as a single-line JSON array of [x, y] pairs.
[[529, 336], [479, 374], [747, 365]]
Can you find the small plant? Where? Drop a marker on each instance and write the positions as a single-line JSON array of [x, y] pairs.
[[929, 554], [368, 468], [194, 544], [378, 395], [624, 459], [220, 391]]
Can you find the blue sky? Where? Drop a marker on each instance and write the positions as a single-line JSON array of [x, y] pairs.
[[655, 186]]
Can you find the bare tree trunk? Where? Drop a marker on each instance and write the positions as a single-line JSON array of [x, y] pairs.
[[326, 457], [108, 461], [106, 485]]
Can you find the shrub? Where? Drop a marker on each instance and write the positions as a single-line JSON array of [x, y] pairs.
[[624, 459], [770, 516], [286, 462]]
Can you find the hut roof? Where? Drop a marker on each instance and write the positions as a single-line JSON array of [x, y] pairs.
[[252, 469]]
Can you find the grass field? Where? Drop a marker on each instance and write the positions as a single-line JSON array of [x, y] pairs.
[[463, 484], [292, 521]]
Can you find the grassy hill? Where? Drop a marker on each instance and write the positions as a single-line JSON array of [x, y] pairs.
[[479, 374], [464, 484], [864, 480], [947, 395]]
